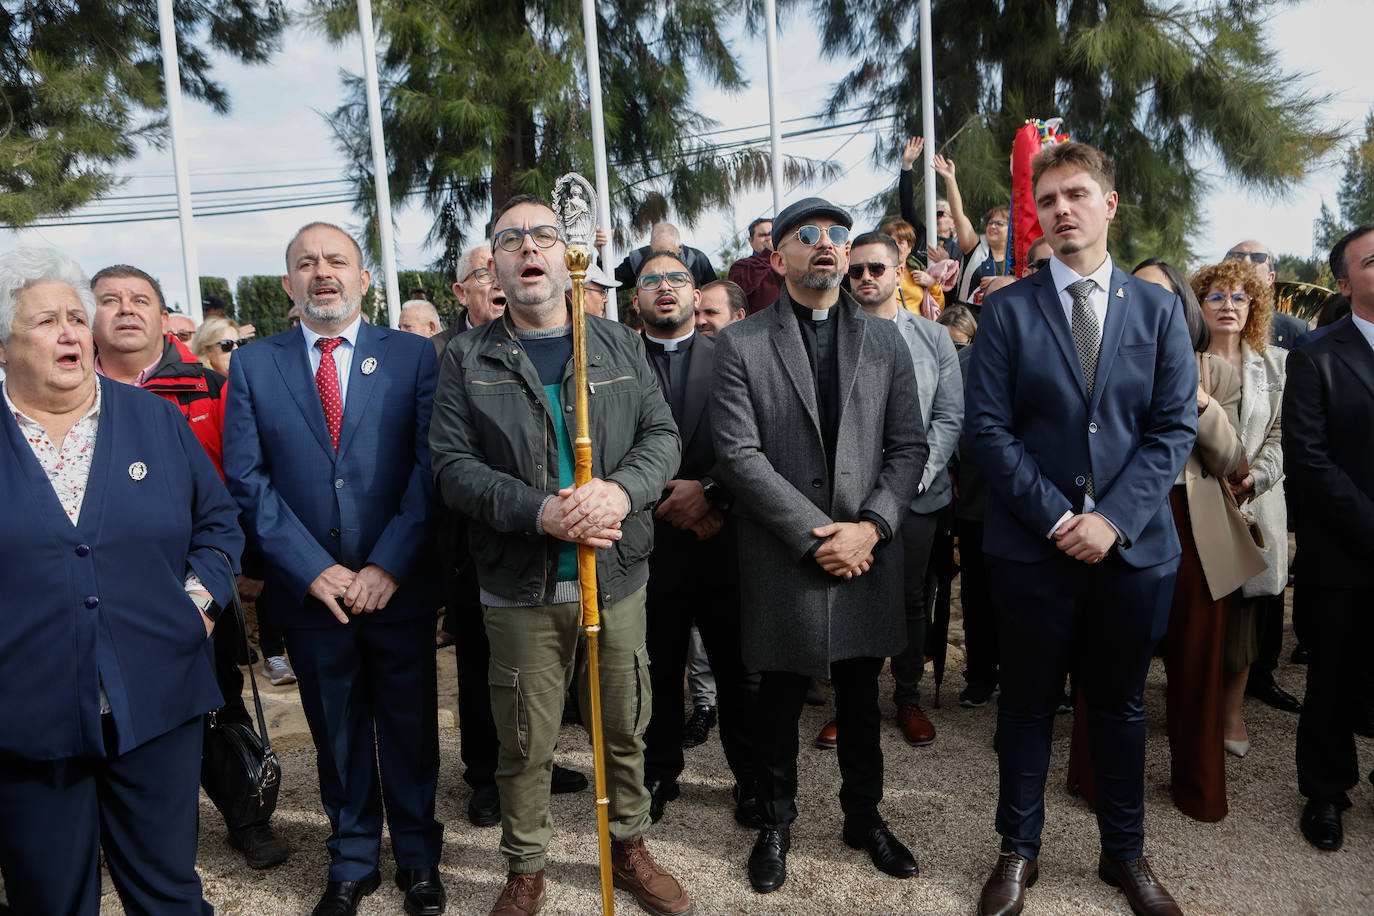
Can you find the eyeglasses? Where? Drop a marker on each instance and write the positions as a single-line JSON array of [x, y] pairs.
[[511, 239], [875, 268], [676, 279], [1217, 300], [941, 214], [481, 274], [184, 336], [997, 223], [811, 235], [227, 346], [1038, 264], [1257, 257]]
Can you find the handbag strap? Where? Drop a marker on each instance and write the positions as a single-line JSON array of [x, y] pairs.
[[236, 606]]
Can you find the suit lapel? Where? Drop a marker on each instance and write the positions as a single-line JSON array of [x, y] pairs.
[[372, 344], [1119, 303], [849, 346], [1048, 300], [297, 378], [792, 353], [698, 388], [1356, 353]]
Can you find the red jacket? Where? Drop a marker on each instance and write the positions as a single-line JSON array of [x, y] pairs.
[[198, 391], [760, 282]]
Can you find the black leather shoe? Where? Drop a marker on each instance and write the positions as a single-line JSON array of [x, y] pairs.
[[484, 808], [886, 851], [424, 891], [341, 898], [565, 780], [1143, 891], [1274, 695], [748, 808], [768, 859], [261, 847], [698, 727], [1004, 893], [1321, 824], [661, 791]]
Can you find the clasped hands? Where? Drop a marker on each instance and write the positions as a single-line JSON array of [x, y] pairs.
[[848, 549], [590, 514], [364, 591], [1086, 537], [687, 508]]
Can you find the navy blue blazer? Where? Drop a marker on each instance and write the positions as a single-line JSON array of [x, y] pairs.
[[308, 508], [103, 602], [1035, 434]]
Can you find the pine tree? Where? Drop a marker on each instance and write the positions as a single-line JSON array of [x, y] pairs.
[[81, 88], [482, 100], [1159, 86], [1355, 194]]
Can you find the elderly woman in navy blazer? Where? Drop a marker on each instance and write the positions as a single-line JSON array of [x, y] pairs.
[[111, 588]]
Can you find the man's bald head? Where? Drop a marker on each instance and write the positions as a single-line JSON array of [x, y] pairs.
[[1260, 257], [665, 237]]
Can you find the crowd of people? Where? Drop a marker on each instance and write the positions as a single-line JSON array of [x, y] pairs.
[[1119, 457]]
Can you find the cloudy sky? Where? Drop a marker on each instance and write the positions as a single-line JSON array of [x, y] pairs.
[[276, 135]]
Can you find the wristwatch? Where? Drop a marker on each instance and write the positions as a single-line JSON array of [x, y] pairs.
[[208, 606]]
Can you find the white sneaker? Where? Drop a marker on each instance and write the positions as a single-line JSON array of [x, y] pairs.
[[278, 671]]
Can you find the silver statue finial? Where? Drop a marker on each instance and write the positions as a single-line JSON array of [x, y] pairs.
[[574, 202]]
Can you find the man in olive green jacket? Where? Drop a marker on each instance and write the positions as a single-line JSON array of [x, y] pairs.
[[501, 441]]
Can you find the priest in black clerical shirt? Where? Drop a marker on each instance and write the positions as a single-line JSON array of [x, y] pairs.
[[693, 571]]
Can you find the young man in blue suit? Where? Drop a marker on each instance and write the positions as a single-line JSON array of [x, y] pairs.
[[1081, 410], [327, 453]]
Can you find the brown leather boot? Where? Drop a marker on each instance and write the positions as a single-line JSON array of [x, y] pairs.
[[523, 895], [636, 871]]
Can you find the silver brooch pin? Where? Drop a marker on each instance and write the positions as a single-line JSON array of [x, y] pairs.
[[1120, 294], [138, 470], [369, 366]]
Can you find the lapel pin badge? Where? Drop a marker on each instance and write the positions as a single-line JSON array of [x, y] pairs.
[[1120, 293], [369, 366], [138, 470]]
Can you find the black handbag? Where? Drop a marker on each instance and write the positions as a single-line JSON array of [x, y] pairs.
[[238, 769]]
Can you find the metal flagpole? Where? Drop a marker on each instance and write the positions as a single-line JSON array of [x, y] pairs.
[[171, 75], [774, 127], [603, 181], [379, 169], [575, 217], [928, 124]]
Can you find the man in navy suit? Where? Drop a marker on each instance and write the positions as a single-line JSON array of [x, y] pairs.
[[326, 450], [1081, 410]]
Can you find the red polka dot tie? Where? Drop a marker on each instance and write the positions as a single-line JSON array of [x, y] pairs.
[[327, 380]]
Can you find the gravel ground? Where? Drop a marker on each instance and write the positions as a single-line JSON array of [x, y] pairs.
[[940, 801]]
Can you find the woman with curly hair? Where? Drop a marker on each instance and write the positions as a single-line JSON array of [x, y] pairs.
[[1239, 309]]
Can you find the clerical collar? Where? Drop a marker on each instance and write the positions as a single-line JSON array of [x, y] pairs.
[[820, 314], [670, 346]]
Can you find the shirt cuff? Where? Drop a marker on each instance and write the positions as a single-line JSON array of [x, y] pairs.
[[193, 584], [1120, 539], [1068, 514]]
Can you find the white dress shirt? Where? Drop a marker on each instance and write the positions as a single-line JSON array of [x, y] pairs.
[[1063, 276], [343, 353], [1364, 327]]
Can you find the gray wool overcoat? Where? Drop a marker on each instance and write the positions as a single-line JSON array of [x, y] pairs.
[[770, 453]]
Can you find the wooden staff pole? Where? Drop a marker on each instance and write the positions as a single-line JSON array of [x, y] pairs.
[[578, 259]]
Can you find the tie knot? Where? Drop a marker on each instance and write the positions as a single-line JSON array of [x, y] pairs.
[[328, 345], [1081, 290]]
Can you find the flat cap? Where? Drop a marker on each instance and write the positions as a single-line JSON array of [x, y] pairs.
[[793, 215]]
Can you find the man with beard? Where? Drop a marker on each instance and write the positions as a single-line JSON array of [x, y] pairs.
[[874, 269], [722, 301], [817, 434], [691, 534], [332, 476], [503, 457]]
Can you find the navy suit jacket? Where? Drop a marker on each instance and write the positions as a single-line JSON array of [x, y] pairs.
[[307, 507], [103, 602], [1035, 434]]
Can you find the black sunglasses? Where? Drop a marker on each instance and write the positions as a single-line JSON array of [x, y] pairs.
[[1258, 257], [875, 268], [227, 346]]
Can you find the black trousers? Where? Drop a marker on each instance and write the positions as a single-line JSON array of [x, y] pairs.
[[1338, 630], [478, 744], [781, 696], [140, 807], [980, 622], [1101, 624], [693, 581], [1270, 625]]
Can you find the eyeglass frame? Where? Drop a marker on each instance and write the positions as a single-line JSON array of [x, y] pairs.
[[496, 236], [1217, 300], [483, 270], [232, 344], [1254, 257], [867, 266], [665, 277], [828, 231]]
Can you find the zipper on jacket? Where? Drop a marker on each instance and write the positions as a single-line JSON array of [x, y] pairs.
[[591, 386]]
